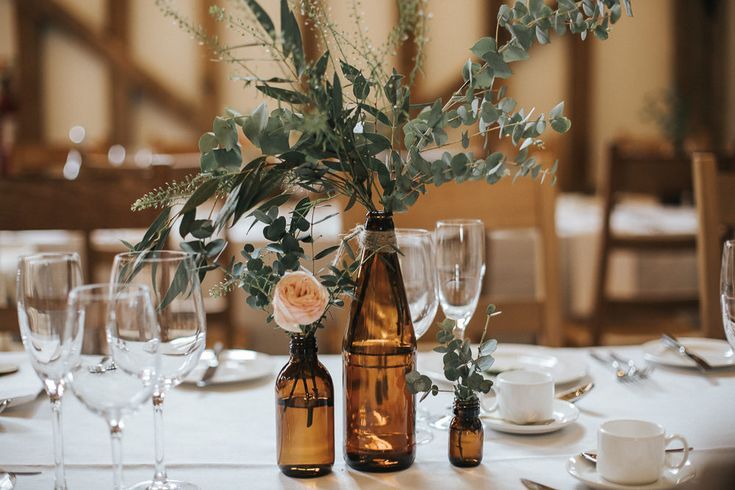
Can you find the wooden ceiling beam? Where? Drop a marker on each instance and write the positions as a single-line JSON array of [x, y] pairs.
[[118, 25], [113, 51], [30, 118]]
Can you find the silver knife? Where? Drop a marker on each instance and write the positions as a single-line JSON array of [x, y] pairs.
[[532, 485], [671, 341], [213, 365], [576, 394]]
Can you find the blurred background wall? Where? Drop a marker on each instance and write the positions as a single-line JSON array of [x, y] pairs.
[[606, 84]]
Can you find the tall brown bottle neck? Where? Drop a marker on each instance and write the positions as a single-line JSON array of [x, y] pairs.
[[379, 221]]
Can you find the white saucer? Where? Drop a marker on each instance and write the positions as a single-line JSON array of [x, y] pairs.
[[565, 413], [586, 472], [236, 365], [716, 352]]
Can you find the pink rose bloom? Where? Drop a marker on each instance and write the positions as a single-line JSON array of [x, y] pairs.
[[299, 299]]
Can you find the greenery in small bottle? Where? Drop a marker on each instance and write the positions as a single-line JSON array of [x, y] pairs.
[[461, 367], [342, 123]]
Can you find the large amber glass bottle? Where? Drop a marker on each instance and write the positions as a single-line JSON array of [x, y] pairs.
[[379, 349], [304, 413]]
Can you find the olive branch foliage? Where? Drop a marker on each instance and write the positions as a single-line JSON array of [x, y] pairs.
[[461, 367], [344, 125]]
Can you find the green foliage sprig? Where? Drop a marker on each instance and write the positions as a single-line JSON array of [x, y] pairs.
[[342, 124], [461, 367]]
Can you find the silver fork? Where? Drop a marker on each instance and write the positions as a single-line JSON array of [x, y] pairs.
[[633, 369], [621, 374], [4, 404]]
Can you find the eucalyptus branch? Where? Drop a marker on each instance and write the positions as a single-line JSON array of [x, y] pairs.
[[461, 367]]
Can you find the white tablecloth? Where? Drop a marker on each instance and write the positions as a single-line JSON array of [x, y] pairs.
[[223, 437]]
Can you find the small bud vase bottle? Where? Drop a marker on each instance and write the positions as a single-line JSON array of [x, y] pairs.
[[466, 436], [379, 350], [304, 412]]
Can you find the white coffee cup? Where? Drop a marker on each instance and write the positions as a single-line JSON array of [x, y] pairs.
[[523, 397], [633, 452]]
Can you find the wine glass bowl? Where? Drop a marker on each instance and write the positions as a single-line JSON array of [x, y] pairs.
[[727, 291], [416, 258], [460, 266]]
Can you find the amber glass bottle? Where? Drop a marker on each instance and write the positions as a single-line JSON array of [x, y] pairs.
[[466, 436], [304, 413], [379, 350]]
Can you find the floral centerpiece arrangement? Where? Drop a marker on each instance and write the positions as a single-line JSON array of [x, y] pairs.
[[343, 123]]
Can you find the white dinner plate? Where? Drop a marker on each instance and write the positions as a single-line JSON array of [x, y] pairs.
[[236, 365], [21, 387], [586, 472], [565, 413], [716, 352], [518, 356]]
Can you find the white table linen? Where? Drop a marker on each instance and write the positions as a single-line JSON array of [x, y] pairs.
[[224, 437]]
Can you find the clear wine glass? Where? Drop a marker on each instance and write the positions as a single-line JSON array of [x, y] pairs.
[[117, 341], [44, 283], [173, 280], [419, 279], [727, 291], [460, 265]]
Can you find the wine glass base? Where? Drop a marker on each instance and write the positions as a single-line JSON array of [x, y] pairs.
[[424, 435], [442, 422], [164, 485]]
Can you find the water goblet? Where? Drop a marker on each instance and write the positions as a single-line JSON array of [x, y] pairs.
[[44, 283], [419, 279], [116, 340], [460, 268], [173, 281]]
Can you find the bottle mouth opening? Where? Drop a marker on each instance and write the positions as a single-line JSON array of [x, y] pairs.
[[379, 214]]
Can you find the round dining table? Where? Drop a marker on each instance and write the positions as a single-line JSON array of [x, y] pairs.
[[223, 436]]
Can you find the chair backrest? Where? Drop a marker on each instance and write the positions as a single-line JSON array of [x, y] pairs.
[[646, 171], [92, 202], [715, 197], [506, 205]]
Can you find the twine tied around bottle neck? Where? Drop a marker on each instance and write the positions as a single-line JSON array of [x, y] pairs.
[[375, 241]]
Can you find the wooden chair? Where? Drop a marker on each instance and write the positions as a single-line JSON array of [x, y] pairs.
[[93, 202], [504, 206], [715, 196], [631, 172]]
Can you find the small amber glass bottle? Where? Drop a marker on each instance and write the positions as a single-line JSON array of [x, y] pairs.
[[466, 436], [304, 412]]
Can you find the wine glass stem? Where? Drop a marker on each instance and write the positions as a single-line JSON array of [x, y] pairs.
[[116, 440], [459, 328], [60, 480], [160, 474]]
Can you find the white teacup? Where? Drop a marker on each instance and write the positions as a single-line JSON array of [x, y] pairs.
[[633, 452], [523, 397]]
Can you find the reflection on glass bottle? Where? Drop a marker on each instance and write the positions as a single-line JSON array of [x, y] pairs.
[[304, 412], [379, 350], [466, 436]]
